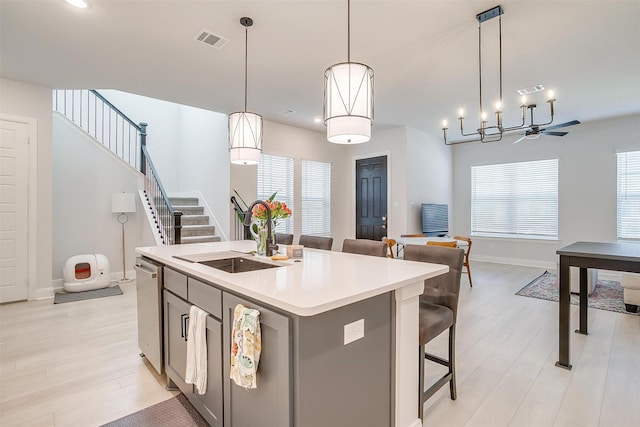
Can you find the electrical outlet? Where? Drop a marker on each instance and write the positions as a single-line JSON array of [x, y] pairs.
[[353, 331]]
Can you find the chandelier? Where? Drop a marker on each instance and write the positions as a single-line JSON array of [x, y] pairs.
[[487, 132], [348, 98], [245, 129]]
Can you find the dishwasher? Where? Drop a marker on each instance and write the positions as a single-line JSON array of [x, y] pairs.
[[149, 292]]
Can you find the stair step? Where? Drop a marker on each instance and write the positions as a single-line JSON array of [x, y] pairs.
[[199, 239], [184, 201], [195, 219], [189, 209], [198, 230]]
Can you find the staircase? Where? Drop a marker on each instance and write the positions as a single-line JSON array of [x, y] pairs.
[[195, 224], [93, 113]]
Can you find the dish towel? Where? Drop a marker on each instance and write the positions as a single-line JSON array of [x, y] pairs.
[[196, 372], [246, 345]]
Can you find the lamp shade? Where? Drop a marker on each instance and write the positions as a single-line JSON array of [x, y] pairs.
[[123, 203], [245, 138], [348, 103]]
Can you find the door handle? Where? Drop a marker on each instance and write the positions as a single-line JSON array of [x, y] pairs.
[[139, 269], [183, 325]]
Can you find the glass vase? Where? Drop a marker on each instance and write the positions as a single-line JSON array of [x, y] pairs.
[[259, 230]]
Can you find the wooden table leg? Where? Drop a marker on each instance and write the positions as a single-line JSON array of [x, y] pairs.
[[584, 302], [564, 305]]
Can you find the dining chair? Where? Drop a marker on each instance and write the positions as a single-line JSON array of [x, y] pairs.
[[284, 239], [365, 247], [437, 313], [466, 255], [316, 242], [452, 244], [390, 243]]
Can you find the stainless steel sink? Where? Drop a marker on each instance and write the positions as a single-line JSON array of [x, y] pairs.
[[237, 264]]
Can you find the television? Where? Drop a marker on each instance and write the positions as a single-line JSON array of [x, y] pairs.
[[435, 219]]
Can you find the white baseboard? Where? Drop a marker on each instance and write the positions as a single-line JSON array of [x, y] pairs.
[[602, 274], [515, 261], [47, 293]]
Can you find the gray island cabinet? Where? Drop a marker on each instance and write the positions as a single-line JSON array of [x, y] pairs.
[[336, 332]]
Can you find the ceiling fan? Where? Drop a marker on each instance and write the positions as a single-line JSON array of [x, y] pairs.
[[535, 131]]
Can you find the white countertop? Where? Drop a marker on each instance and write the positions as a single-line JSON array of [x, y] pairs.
[[321, 281]]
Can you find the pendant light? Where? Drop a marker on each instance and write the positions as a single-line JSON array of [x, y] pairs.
[[488, 132], [348, 98], [245, 129]]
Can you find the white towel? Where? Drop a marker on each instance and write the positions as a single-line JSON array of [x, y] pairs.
[[196, 372]]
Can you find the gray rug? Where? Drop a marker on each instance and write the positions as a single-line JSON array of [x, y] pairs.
[[61, 297], [607, 294], [175, 412]]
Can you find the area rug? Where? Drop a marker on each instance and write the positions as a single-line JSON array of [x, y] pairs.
[[607, 294], [175, 412], [61, 297]]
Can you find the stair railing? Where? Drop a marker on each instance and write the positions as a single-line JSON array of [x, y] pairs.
[[168, 220], [240, 229], [102, 120]]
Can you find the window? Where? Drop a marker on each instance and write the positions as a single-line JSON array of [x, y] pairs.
[[629, 195], [517, 200], [316, 198], [275, 173]]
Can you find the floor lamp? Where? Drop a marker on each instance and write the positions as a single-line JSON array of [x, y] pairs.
[[123, 203]]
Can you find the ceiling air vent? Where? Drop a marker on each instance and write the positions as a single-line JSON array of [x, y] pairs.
[[530, 89], [208, 38]]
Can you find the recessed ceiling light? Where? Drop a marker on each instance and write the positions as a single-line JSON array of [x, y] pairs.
[[82, 4], [317, 120]]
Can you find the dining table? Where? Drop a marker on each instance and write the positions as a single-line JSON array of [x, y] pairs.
[[402, 241], [605, 256]]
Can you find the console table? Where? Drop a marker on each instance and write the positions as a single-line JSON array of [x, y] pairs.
[[605, 256]]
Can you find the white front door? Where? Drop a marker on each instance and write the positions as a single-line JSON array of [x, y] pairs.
[[14, 210]]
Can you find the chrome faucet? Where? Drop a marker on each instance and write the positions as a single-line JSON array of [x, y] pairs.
[[271, 246]]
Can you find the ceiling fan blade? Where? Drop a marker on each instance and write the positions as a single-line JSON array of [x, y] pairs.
[[561, 125], [521, 138], [555, 133]]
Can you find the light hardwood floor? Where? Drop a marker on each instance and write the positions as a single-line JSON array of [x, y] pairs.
[[73, 364], [77, 364]]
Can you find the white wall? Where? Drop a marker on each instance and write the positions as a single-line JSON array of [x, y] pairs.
[[204, 160], [429, 177], [188, 147], [586, 189], [85, 175], [163, 133], [26, 100], [301, 144]]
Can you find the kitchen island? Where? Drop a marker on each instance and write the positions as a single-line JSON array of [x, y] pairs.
[[339, 334]]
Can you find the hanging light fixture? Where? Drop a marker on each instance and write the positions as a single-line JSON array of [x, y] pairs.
[[245, 129], [348, 98], [493, 133]]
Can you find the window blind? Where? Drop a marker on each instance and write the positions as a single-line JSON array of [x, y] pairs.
[[628, 195], [517, 200], [316, 198], [275, 173]]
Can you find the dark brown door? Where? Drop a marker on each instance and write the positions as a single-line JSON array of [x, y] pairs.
[[371, 198]]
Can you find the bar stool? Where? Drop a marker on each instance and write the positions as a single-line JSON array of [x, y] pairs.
[[438, 312]]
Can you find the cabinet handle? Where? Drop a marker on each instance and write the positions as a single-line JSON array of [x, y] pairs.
[[183, 325]]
